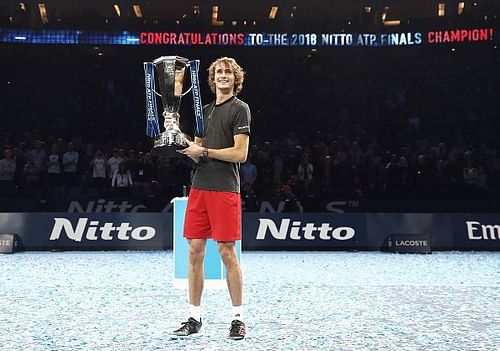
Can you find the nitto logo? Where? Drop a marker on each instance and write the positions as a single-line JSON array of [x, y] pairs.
[[477, 231], [309, 230], [94, 232], [103, 206]]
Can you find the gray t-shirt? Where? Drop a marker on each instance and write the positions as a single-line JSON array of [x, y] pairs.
[[222, 122]]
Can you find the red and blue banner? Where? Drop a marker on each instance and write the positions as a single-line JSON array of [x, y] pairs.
[[249, 39]]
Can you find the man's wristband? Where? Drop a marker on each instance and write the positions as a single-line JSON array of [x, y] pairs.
[[204, 153]]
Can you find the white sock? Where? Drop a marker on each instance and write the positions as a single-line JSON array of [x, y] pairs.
[[237, 313], [195, 312]]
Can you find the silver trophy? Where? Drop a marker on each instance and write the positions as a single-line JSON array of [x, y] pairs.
[[170, 72]]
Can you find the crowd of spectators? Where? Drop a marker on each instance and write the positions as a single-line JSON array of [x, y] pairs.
[[385, 123]]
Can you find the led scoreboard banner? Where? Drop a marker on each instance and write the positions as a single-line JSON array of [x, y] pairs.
[[410, 38]]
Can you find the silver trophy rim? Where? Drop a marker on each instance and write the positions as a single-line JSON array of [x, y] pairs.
[[171, 57]]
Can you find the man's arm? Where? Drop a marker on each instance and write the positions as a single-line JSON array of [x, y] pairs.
[[235, 154]]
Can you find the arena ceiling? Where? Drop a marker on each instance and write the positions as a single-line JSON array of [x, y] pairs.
[[239, 10]]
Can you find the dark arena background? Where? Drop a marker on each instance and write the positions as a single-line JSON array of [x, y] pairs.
[[375, 132]]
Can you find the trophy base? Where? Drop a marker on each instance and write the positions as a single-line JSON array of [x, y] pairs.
[[167, 143], [167, 150]]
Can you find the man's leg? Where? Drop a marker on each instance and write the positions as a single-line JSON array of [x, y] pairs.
[[234, 279], [195, 282], [195, 270]]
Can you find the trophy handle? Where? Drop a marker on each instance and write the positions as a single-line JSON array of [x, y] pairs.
[[191, 87], [153, 89], [188, 67], [187, 91]]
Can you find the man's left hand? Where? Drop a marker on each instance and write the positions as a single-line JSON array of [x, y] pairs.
[[193, 151]]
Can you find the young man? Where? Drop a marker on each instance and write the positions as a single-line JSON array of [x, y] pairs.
[[214, 205]]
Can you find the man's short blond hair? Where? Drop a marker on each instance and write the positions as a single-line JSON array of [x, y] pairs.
[[239, 74]]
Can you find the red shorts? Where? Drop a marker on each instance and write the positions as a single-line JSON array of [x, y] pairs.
[[213, 214]]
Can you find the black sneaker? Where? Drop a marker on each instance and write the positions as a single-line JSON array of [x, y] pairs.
[[192, 326], [237, 331]]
